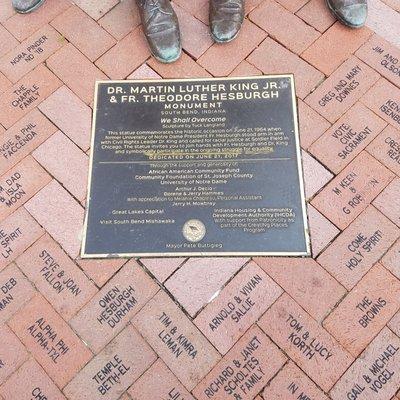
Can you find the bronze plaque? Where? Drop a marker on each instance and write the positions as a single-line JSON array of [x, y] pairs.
[[196, 167]]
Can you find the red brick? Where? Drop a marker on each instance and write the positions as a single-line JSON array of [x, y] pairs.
[[30, 380], [51, 341], [12, 353], [317, 14], [346, 196], [17, 233], [292, 5], [272, 58], [284, 26], [365, 310], [254, 357], [394, 325], [29, 54], [144, 72], [26, 94], [60, 215], [100, 271], [311, 124], [383, 99], [192, 6], [6, 10], [316, 175], [391, 260], [309, 345], [162, 268], [15, 292], [185, 67], [64, 152], [388, 202], [70, 114], [386, 148], [24, 25], [329, 51], [370, 374], [292, 384], [158, 383], [128, 356], [122, 19], [125, 56], [96, 9], [359, 247], [111, 309], [7, 41], [347, 137], [322, 231], [306, 282], [19, 184], [60, 281], [4, 83], [203, 276], [245, 69], [342, 89], [23, 137], [160, 321], [76, 71], [237, 307], [221, 59]]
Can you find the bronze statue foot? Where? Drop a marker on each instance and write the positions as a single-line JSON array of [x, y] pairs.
[[352, 13]]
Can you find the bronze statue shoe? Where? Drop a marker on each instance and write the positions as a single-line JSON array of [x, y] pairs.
[[161, 27], [26, 6], [352, 13], [226, 18]]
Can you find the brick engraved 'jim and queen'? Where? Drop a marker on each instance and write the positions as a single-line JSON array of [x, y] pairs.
[[196, 167]]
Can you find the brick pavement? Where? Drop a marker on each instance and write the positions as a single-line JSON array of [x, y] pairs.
[[276, 328]]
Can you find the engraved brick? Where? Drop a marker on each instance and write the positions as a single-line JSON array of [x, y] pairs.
[[12, 353], [65, 152], [203, 276], [306, 282], [23, 137], [51, 341], [30, 382], [25, 25], [365, 310], [292, 383], [17, 233], [342, 89], [162, 268], [70, 114], [375, 374], [176, 340], [391, 260], [311, 124], [386, 148], [76, 71], [346, 196], [251, 363], [91, 39], [113, 370], [272, 58], [340, 144], [381, 56], [26, 94], [31, 53], [60, 281], [59, 214], [307, 343], [237, 307], [284, 26], [125, 56], [100, 271], [19, 184], [329, 51], [317, 14], [221, 59], [158, 383], [111, 309], [359, 247], [15, 290], [388, 202]]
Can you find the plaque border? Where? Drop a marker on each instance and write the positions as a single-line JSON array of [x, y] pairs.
[[306, 253]]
